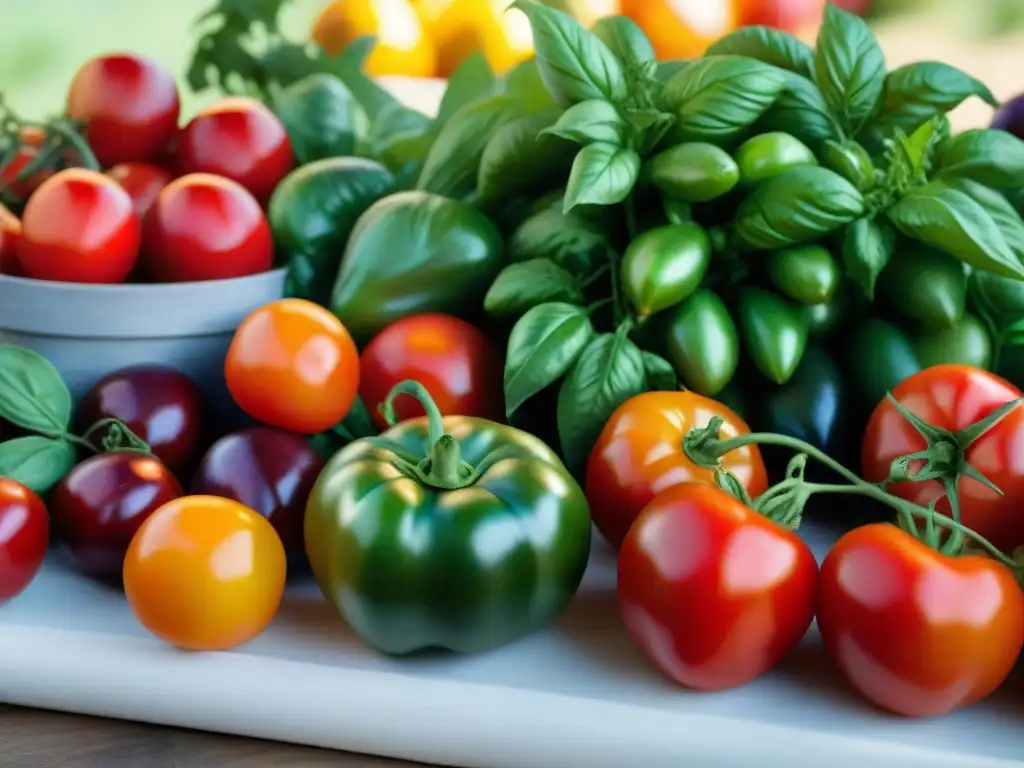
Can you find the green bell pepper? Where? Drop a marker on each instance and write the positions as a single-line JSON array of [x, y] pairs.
[[456, 533]]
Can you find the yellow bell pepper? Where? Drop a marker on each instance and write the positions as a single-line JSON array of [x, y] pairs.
[[403, 47], [683, 29], [458, 28]]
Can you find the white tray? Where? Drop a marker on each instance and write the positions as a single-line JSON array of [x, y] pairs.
[[578, 694]]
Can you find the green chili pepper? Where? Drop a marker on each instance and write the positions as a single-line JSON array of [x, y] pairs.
[[765, 156], [663, 266], [702, 343], [693, 173], [773, 331], [925, 286], [805, 273]]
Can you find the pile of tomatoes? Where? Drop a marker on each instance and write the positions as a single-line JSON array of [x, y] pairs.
[[118, 190]]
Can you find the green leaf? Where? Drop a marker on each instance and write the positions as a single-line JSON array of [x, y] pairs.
[[992, 157], [625, 39], [661, 376], [867, 248], [37, 462], [520, 159], [568, 239], [543, 345], [918, 148], [591, 121], [322, 118], [452, 165], [999, 208], [522, 286], [602, 174], [608, 372], [801, 111], [849, 67], [951, 221], [998, 299], [349, 69], [772, 46], [33, 395], [574, 63], [718, 97], [801, 204], [525, 84], [471, 82]]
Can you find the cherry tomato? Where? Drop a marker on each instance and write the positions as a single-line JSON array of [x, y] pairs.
[[10, 234], [101, 503], [914, 631], [953, 397], [79, 228], [293, 365], [129, 104], [241, 139], [205, 573], [205, 227], [714, 593], [640, 453], [455, 361], [142, 182], [24, 537]]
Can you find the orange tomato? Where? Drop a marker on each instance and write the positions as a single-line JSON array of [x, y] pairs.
[[403, 48], [205, 573], [683, 29], [459, 28]]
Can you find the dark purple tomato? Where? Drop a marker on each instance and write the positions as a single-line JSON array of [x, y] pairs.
[[268, 470], [100, 504], [1010, 117], [160, 404]]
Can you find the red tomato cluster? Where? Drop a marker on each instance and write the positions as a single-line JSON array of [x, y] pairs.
[[173, 203]]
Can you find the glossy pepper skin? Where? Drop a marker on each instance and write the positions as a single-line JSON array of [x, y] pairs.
[[456, 533]]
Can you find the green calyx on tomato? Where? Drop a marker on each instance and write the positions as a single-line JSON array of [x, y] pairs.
[[453, 480], [663, 266], [693, 173], [807, 274], [766, 156]]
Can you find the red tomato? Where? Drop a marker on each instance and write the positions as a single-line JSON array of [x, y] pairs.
[[797, 16], [238, 138], [293, 365], [142, 182], [714, 593], [953, 397], [10, 234], [79, 228], [205, 227], [455, 361], [24, 536], [640, 453], [129, 104], [915, 631]]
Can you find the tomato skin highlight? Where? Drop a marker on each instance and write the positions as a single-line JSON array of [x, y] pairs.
[[293, 365], [205, 573], [238, 138], [712, 592], [639, 454], [460, 367], [953, 397], [205, 227], [24, 537], [914, 631], [130, 106], [79, 227], [142, 182]]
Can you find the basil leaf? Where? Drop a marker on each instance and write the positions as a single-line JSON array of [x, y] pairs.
[[567, 239], [668, 69], [321, 116], [520, 159], [798, 205], [718, 97], [472, 81], [660, 374], [849, 68], [573, 62], [392, 122], [37, 462], [990, 156], [801, 111], [348, 67], [526, 85], [591, 121], [867, 248], [772, 46], [451, 166], [543, 345], [999, 208], [608, 372], [917, 149], [998, 299], [602, 174], [950, 221], [33, 395], [522, 286], [625, 39], [916, 93]]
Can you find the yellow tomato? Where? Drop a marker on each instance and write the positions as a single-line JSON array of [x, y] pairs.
[[458, 28], [682, 29], [205, 573], [402, 46]]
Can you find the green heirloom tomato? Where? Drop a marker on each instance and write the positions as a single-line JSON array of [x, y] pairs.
[[312, 213], [321, 116], [693, 173], [966, 343], [414, 252], [774, 333], [765, 156], [925, 286], [851, 161], [878, 357], [456, 533], [805, 273], [663, 266], [702, 343]]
